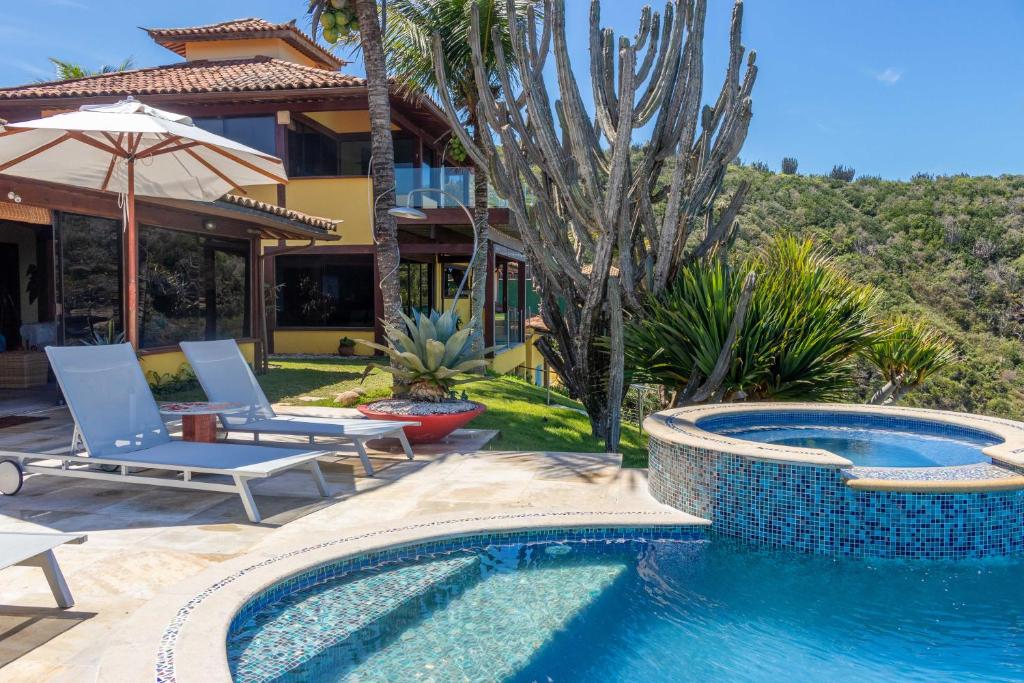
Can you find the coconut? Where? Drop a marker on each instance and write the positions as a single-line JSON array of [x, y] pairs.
[[327, 20]]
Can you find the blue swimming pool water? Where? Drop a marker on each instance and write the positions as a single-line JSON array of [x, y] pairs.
[[649, 611], [867, 441]]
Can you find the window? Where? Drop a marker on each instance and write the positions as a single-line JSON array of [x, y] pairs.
[[508, 308], [315, 151], [453, 275], [416, 283], [191, 287], [253, 131], [90, 275], [354, 155], [325, 291], [311, 152]]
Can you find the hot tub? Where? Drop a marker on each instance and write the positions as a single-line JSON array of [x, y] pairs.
[[845, 479]]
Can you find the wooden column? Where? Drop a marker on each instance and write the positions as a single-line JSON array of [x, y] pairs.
[[378, 303], [521, 272], [131, 271], [283, 119], [489, 293]]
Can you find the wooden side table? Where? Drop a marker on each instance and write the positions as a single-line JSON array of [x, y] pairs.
[[199, 418]]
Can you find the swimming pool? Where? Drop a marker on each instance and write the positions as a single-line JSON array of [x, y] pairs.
[[632, 609], [865, 440]]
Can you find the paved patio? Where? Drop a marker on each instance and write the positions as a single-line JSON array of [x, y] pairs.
[[144, 540]]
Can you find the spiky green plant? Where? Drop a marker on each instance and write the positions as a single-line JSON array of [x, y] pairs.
[[799, 340], [905, 355], [428, 356]]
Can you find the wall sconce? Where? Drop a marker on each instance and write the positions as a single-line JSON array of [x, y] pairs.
[[209, 225]]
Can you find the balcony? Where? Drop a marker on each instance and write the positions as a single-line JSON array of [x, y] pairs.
[[457, 182]]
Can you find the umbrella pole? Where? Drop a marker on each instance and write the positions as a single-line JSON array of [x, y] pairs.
[[131, 326]]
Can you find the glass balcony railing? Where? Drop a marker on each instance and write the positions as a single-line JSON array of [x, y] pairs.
[[456, 182]]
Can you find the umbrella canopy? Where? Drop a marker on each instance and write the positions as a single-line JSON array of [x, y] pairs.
[[173, 157], [133, 149]]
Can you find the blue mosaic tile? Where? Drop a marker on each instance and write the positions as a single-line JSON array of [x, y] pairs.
[[812, 509], [165, 667]]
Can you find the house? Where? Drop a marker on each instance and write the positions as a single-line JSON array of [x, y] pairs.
[[309, 243]]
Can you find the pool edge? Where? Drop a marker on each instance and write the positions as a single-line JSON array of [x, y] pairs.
[[181, 635]]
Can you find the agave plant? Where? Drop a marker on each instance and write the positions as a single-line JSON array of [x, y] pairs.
[[906, 355], [428, 356]]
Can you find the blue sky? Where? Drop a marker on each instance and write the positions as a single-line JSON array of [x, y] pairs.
[[890, 88]]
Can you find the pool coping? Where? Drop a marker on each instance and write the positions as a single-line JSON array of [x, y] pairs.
[[181, 636], [679, 425]]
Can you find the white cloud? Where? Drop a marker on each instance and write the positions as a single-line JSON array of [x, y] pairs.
[[890, 76]]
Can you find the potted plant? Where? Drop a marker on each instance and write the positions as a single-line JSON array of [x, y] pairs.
[[430, 357], [346, 346]]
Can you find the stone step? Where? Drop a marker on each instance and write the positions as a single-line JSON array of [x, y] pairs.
[[304, 624]]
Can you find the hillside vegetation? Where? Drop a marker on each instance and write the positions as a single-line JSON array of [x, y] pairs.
[[947, 249]]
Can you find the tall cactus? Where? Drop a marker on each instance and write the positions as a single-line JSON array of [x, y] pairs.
[[582, 198]]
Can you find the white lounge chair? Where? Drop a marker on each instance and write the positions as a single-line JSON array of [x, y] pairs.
[[226, 377], [36, 550], [119, 424]]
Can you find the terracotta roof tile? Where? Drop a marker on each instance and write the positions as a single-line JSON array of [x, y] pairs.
[[251, 74], [174, 39], [282, 212]]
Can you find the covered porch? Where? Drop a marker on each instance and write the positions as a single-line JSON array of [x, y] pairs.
[[63, 277], [326, 292]]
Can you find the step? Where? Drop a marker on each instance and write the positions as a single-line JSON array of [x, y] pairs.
[[527, 608], [270, 645]]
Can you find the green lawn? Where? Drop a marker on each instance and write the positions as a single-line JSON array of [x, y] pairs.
[[518, 409]]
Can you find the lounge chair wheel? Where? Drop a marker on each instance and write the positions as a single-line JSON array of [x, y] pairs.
[[11, 477]]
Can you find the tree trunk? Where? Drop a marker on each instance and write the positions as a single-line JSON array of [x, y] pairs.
[[478, 295], [385, 231]]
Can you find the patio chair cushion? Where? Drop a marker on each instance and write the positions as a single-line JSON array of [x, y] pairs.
[[259, 461], [109, 398], [226, 378], [324, 426]]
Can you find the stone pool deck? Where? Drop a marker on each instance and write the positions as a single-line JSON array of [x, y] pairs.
[[148, 544]]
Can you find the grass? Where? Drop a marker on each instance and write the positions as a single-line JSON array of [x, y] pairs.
[[516, 408]]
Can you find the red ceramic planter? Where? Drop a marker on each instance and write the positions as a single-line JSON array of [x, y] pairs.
[[432, 427]]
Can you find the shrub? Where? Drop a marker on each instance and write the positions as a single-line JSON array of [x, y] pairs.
[[905, 355], [760, 166], [789, 165], [844, 173], [800, 339]]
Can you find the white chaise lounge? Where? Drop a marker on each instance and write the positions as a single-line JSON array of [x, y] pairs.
[[226, 377], [36, 550], [119, 424]]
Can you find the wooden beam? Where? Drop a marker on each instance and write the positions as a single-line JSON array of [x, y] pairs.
[[31, 153], [242, 162]]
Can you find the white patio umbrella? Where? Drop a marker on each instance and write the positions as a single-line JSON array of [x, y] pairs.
[[133, 149]]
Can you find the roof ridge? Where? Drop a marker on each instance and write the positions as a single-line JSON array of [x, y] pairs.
[[142, 69], [216, 23]]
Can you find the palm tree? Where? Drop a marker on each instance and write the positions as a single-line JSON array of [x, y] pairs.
[[69, 70], [409, 45], [385, 231]]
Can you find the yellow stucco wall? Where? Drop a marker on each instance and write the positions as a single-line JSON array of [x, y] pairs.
[[347, 199], [508, 360], [170, 362], [319, 341], [251, 47], [263, 193], [344, 121]]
